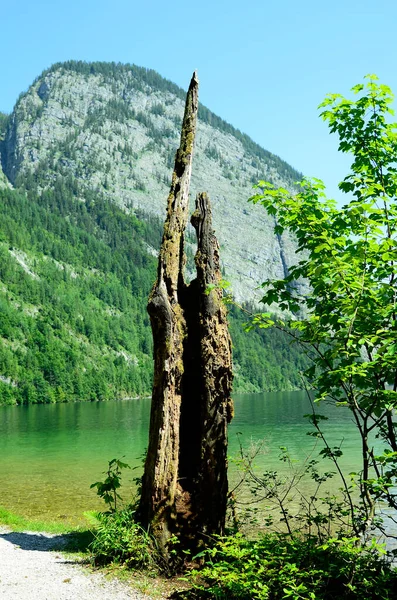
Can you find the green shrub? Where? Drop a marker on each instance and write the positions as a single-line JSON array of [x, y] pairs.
[[278, 566], [119, 539]]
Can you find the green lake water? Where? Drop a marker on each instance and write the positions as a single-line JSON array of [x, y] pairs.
[[50, 454]]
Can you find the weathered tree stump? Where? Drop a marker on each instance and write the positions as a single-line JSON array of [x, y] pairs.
[[184, 487]]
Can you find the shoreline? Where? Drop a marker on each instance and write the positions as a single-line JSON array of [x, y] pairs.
[[121, 399], [142, 397]]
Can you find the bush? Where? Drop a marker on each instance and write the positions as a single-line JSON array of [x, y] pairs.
[[278, 566], [119, 539]]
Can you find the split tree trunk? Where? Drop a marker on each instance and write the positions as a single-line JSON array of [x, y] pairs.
[[214, 371], [184, 487]]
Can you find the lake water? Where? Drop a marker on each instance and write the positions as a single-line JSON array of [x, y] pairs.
[[50, 454]]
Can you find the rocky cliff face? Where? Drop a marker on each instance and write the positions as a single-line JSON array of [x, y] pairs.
[[3, 127], [115, 129]]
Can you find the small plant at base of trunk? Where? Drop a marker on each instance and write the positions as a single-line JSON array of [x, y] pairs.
[[107, 489], [119, 539]]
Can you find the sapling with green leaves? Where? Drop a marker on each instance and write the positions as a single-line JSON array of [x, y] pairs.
[[107, 489], [347, 321]]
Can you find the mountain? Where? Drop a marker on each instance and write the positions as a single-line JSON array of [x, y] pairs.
[[86, 159], [115, 129]]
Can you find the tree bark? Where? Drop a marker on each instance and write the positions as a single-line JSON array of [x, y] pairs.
[[184, 486], [215, 377]]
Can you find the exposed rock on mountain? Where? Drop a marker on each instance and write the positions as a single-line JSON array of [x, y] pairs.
[[114, 129], [3, 126]]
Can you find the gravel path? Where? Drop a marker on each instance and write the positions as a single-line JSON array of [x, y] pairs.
[[32, 569]]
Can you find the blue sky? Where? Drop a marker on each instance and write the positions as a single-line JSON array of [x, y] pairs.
[[263, 66]]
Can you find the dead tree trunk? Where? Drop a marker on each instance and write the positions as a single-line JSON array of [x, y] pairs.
[[184, 486], [215, 377]]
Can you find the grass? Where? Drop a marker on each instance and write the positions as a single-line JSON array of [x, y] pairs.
[[18, 523], [157, 586], [77, 538]]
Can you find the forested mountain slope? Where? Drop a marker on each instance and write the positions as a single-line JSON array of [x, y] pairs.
[[74, 282], [89, 150]]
